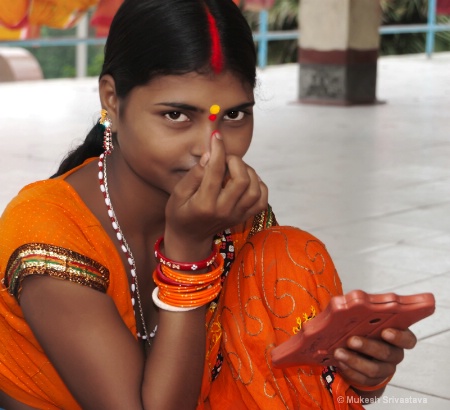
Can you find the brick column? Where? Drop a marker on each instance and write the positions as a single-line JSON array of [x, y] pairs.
[[338, 51]]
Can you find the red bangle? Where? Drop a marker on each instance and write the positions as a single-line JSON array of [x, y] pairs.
[[185, 266]]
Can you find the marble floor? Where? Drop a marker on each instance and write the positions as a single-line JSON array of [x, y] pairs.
[[372, 182]]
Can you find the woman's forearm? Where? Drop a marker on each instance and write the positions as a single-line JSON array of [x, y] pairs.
[[174, 368]]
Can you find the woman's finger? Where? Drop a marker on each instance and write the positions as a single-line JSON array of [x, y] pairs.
[[376, 349], [404, 339], [188, 185], [215, 169], [237, 182], [361, 369], [255, 198]]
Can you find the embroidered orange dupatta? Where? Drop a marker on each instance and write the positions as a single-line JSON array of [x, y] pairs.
[[281, 277]]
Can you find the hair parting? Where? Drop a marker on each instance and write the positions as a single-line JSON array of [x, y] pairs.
[[216, 48]]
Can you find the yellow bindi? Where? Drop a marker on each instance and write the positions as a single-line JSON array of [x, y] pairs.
[[215, 109]]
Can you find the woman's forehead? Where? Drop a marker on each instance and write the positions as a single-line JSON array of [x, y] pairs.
[[224, 87]]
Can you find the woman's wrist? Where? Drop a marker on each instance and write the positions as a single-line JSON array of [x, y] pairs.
[[379, 386], [183, 249], [194, 266]]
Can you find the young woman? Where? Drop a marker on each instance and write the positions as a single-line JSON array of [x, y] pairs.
[[162, 175]]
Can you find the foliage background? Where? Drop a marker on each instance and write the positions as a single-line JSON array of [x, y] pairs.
[[59, 62], [283, 16]]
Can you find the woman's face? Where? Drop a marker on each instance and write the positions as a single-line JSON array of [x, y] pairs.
[[166, 125]]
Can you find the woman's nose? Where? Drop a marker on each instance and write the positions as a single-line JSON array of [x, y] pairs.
[[203, 136]]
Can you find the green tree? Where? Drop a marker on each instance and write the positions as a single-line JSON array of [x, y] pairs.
[[59, 61], [409, 12]]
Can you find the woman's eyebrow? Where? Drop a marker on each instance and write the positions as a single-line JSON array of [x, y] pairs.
[[193, 108], [242, 106], [182, 106]]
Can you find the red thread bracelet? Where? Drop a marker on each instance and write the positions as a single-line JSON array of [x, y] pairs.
[[184, 266]]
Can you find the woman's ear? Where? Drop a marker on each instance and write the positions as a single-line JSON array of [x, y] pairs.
[[109, 99]]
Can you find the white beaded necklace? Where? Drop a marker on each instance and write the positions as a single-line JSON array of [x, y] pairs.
[[135, 295]]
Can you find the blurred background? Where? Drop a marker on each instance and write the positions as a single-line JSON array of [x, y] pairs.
[[58, 33]]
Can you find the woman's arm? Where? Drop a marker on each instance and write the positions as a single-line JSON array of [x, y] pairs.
[[98, 358], [86, 339]]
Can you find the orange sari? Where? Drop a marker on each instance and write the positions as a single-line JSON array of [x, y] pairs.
[[281, 277], [277, 277]]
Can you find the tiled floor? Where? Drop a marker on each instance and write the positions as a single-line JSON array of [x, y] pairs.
[[372, 182]]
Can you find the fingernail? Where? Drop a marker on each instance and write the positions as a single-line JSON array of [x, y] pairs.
[[340, 354], [389, 335], [216, 134], [204, 159], [355, 342]]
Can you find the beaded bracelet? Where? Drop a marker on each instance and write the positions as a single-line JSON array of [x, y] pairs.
[[372, 388], [184, 266]]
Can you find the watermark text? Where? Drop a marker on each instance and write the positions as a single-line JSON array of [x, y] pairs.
[[382, 399]]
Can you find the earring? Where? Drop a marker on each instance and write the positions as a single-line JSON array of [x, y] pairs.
[[107, 134]]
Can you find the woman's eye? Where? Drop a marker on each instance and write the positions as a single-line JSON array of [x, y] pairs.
[[176, 116], [234, 116]]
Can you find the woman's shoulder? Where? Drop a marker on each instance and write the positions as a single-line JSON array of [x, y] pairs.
[[49, 212], [47, 228], [46, 201], [40, 191]]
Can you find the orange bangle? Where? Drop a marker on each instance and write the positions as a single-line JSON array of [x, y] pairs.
[[191, 279], [184, 290], [184, 302], [175, 288], [372, 388], [210, 291], [167, 307], [159, 275]]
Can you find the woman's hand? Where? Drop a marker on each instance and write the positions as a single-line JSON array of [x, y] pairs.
[[218, 193], [369, 362]]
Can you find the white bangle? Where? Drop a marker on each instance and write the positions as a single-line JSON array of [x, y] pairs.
[[165, 306]]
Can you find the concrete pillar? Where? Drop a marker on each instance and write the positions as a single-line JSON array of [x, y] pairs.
[[338, 51], [81, 53]]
